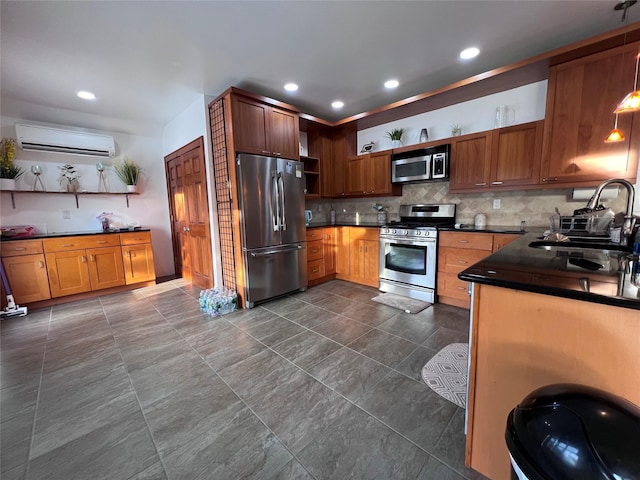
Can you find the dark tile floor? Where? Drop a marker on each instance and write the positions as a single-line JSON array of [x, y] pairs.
[[323, 384]]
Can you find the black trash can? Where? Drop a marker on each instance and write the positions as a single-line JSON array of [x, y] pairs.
[[574, 432]]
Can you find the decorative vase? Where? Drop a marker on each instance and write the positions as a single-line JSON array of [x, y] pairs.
[[396, 143], [382, 218], [132, 188], [7, 183], [73, 186]]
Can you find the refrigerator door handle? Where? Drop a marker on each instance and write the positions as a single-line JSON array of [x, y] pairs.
[[272, 252], [283, 222], [275, 203]]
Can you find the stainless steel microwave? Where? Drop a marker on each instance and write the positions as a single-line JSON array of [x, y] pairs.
[[422, 165]]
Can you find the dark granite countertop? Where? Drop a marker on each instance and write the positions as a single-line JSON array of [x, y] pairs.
[[589, 275], [5, 238], [344, 224]]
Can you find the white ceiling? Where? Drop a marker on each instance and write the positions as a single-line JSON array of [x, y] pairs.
[[148, 60]]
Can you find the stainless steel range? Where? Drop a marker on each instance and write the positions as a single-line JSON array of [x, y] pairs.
[[408, 250]]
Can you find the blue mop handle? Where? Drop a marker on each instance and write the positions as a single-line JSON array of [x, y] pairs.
[[5, 280]]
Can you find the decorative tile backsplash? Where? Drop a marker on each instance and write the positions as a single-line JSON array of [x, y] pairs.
[[533, 206]]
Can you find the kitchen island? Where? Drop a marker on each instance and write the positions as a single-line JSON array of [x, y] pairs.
[[540, 317]]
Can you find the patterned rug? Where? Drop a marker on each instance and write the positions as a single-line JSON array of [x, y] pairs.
[[446, 373], [408, 305]]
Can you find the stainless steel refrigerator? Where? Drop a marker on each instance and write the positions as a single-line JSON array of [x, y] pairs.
[[274, 247]]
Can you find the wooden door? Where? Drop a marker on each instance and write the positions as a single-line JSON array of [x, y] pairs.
[[250, 125], [178, 211], [105, 267], [68, 273], [371, 262], [329, 246], [355, 175], [191, 227], [342, 253], [283, 134], [138, 263], [582, 95], [27, 275], [379, 174], [470, 161], [516, 155]]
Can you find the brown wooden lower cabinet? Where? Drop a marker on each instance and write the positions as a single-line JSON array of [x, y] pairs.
[[27, 275], [321, 256], [53, 268], [358, 255], [458, 251]]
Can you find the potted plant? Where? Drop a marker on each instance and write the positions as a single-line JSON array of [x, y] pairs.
[[9, 171], [456, 130], [396, 136], [69, 178], [129, 173]]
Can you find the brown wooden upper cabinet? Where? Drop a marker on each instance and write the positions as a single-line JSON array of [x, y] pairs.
[[370, 175], [581, 97], [500, 159], [263, 129]]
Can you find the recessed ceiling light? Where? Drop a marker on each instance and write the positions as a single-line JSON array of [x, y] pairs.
[[291, 87], [337, 104], [86, 95], [468, 53], [391, 83]]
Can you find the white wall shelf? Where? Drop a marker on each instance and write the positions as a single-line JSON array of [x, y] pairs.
[[76, 194]]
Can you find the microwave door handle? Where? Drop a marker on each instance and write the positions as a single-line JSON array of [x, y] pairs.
[[275, 207], [283, 223]]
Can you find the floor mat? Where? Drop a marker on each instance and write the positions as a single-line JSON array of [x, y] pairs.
[[446, 373], [406, 304]]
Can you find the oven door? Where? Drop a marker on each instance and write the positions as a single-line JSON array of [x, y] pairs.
[[412, 262]]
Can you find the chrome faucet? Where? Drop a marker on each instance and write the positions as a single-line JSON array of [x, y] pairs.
[[629, 219]]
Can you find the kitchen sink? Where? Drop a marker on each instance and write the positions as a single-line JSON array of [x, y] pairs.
[[585, 247]]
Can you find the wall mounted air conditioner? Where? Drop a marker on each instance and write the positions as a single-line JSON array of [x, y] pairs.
[[48, 139]]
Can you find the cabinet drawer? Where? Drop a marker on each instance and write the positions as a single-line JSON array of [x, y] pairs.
[[477, 241], [135, 238], [455, 260], [362, 233], [314, 250], [449, 285], [65, 244], [315, 269], [314, 234], [21, 247]]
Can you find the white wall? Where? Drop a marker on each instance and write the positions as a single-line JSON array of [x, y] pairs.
[[149, 209], [186, 127], [528, 103]]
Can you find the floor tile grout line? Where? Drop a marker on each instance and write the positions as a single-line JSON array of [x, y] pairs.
[[35, 409], [246, 405], [144, 417]]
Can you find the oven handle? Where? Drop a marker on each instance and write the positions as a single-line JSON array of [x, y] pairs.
[[424, 242]]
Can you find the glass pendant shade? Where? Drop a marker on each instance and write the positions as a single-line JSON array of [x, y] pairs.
[[615, 135], [631, 103]]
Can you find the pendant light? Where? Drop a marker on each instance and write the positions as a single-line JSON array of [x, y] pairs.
[[631, 103], [615, 135]]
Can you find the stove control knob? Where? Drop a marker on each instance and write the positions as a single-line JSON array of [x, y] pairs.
[[418, 233], [394, 231]]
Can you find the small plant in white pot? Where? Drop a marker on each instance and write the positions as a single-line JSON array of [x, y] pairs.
[[9, 171], [69, 178], [129, 173], [395, 135]]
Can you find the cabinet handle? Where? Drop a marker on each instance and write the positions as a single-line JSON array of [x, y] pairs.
[[462, 262], [497, 183], [554, 179], [101, 241], [266, 151], [133, 254], [126, 254], [463, 241], [18, 249], [481, 184], [83, 259], [92, 258], [68, 244], [461, 288], [315, 270], [41, 264], [277, 154], [365, 249]]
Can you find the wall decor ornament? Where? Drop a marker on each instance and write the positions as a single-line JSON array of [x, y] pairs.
[[69, 178]]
